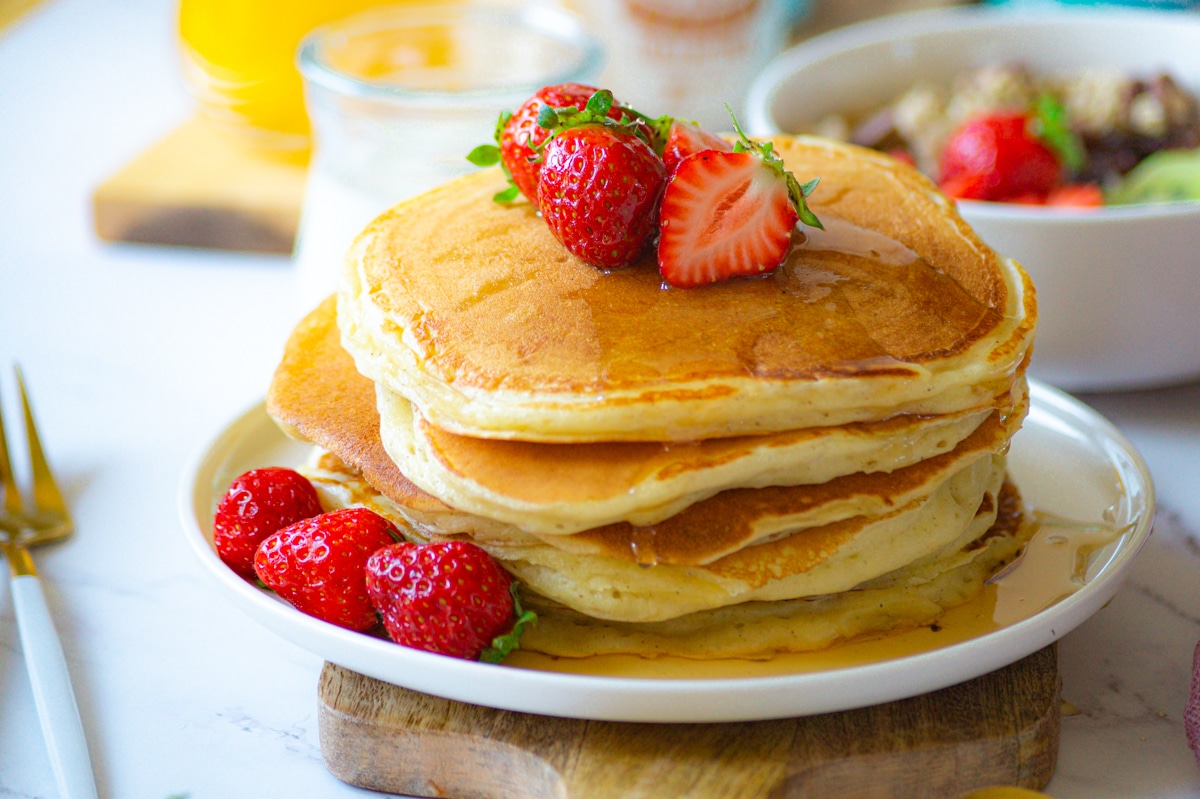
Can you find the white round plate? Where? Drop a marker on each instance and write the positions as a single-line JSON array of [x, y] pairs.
[[1067, 460]]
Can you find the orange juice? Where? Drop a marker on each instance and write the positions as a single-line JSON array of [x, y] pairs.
[[239, 56]]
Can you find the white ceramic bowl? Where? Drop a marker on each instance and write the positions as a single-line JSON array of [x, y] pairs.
[[1118, 288]]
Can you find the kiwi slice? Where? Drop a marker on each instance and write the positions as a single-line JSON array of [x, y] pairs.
[[1163, 177]]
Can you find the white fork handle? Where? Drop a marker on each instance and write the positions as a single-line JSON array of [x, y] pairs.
[[57, 711]]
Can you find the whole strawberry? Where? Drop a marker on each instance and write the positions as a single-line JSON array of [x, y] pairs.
[[257, 504], [729, 214], [318, 564], [598, 192], [519, 137], [997, 157], [447, 597], [600, 183]]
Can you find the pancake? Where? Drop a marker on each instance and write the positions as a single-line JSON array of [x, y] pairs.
[[319, 396], [316, 388], [739, 545], [473, 312], [914, 595]]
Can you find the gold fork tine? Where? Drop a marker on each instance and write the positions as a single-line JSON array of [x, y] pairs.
[[12, 497], [46, 495]]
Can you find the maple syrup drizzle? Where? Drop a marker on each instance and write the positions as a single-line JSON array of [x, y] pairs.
[[846, 237]]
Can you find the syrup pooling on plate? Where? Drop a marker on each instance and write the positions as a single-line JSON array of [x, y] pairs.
[[1056, 563]]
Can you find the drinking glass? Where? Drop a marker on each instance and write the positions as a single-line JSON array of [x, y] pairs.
[[239, 58], [399, 96]]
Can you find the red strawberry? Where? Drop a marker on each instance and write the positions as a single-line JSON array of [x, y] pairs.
[[318, 564], [1077, 195], [258, 503], [687, 138], [599, 190], [520, 137], [447, 597], [997, 158], [726, 215]]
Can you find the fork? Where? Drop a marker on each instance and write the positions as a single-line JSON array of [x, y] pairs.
[[22, 526]]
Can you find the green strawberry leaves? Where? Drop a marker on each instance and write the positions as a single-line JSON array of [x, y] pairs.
[[503, 644], [489, 155], [596, 112], [655, 131], [797, 191]]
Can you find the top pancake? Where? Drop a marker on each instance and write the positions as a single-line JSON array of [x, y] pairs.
[[476, 314]]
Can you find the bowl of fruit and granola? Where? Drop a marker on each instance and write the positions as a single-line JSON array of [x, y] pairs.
[[1070, 141]]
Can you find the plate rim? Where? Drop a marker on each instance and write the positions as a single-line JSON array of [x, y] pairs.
[[652, 699]]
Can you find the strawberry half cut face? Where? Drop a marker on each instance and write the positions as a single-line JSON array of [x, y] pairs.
[[723, 215]]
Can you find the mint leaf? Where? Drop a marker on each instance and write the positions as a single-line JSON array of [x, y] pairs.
[[484, 155]]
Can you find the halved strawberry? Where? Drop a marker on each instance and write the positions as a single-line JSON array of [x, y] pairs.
[[727, 215], [687, 138]]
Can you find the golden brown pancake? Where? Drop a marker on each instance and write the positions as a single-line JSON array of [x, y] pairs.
[[477, 315], [627, 608], [564, 488], [560, 489], [318, 396], [806, 539]]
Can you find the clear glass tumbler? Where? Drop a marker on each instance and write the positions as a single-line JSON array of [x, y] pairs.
[[398, 97]]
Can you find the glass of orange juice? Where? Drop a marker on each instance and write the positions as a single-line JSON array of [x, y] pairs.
[[239, 57], [399, 95]]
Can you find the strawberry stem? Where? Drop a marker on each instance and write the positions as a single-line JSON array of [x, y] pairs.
[[503, 644], [797, 192], [489, 155], [652, 131]]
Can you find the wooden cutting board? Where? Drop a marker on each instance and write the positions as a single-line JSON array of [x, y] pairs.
[[999, 729], [200, 187]]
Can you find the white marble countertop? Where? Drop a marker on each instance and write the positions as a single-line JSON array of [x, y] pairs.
[[136, 355]]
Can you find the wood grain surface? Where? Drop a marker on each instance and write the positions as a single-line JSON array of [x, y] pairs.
[[999, 729], [199, 187]]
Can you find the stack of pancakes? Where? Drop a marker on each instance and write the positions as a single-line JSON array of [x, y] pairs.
[[762, 465]]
